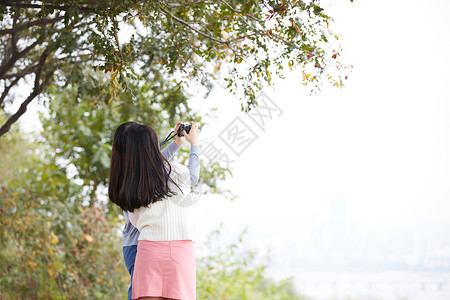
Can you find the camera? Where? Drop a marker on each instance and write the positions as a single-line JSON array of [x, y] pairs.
[[185, 127]]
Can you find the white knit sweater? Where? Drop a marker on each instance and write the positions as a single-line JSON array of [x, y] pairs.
[[168, 219]]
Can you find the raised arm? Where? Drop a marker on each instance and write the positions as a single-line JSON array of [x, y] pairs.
[[170, 150], [194, 157], [194, 164]]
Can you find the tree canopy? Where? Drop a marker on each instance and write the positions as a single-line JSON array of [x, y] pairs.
[[96, 64], [53, 245], [238, 44]]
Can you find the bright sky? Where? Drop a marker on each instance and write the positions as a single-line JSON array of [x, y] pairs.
[[381, 144]]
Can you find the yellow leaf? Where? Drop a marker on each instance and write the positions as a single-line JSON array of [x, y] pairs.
[[87, 237], [268, 73], [217, 68], [51, 273], [53, 238], [32, 265]]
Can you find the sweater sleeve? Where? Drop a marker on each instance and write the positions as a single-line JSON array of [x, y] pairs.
[[170, 150], [134, 217], [194, 164]]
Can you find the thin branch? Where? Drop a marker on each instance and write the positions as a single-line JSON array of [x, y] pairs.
[[5, 67], [40, 66], [176, 5], [24, 26], [257, 30], [226, 43], [117, 38], [29, 69], [14, 36], [6, 90], [194, 29], [38, 87], [81, 24], [242, 37], [240, 13], [283, 40], [43, 6], [23, 108]]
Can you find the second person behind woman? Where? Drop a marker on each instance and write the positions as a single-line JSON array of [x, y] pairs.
[[144, 183]]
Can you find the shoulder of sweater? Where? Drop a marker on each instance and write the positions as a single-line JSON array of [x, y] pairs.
[[180, 168], [181, 172]]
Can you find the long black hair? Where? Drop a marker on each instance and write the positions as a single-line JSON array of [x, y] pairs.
[[139, 173]]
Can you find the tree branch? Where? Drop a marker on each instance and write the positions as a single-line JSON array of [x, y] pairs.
[[242, 37], [38, 87], [42, 6], [175, 5], [24, 26], [226, 43], [40, 66], [29, 69], [14, 37], [240, 13], [5, 67], [23, 108], [257, 30], [194, 29], [6, 90], [117, 38]]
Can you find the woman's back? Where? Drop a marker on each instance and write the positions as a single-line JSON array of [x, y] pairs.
[[168, 219]]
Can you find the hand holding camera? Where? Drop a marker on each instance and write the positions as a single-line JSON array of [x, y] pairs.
[[183, 131], [179, 137], [190, 131]]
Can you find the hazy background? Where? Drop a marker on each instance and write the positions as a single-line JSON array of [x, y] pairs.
[[348, 190]]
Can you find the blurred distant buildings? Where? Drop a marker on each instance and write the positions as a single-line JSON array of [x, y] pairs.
[[338, 244]]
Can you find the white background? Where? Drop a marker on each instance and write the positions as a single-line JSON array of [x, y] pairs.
[[372, 157]]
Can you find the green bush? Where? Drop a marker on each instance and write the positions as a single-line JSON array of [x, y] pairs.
[[59, 242]]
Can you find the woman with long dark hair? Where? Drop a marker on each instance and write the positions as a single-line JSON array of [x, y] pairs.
[[145, 184]]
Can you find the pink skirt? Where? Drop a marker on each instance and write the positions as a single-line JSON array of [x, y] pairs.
[[164, 269]]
